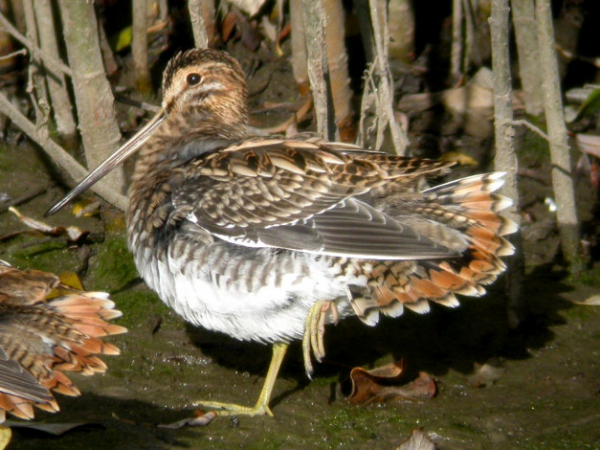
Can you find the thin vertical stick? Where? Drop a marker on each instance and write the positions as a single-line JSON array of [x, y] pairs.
[[469, 23], [198, 24], [383, 75], [318, 70], [298, 41], [93, 95], [37, 84], [562, 175], [57, 84], [139, 46], [506, 158], [457, 41], [527, 50], [337, 59]]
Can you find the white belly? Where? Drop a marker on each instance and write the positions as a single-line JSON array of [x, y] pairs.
[[256, 294]]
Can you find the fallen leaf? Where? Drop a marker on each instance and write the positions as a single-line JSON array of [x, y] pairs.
[[123, 39], [5, 436], [380, 384], [227, 26], [460, 158], [86, 208], [199, 420], [71, 279], [73, 233], [589, 106], [487, 373], [594, 300], [250, 7], [418, 440], [588, 143]]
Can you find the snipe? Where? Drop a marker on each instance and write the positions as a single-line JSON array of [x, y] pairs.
[[47, 328], [269, 239]]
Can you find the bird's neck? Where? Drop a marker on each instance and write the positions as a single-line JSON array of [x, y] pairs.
[[180, 139], [180, 133]]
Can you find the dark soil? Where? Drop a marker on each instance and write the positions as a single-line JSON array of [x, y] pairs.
[[545, 394]]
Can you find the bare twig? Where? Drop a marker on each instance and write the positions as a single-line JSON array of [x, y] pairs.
[[141, 105], [296, 117], [457, 41], [298, 42], [318, 71], [383, 83], [23, 199], [506, 158], [57, 85], [13, 54], [139, 46], [107, 54], [368, 101], [527, 50], [469, 35], [198, 25], [532, 127], [401, 28], [36, 85], [570, 55], [337, 60], [93, 95], [59, 155], [562, 178], [51, 63]]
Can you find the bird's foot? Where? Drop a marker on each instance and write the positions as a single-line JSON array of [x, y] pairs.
[[262, 404], [232, 409], [314, 332]]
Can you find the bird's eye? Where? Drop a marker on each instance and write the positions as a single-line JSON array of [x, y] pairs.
[[193, 79]]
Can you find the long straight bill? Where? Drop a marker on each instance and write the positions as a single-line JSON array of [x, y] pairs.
[[113, 161]]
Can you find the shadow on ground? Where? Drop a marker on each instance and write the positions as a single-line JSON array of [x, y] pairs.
[[112, 423], [442, 340]]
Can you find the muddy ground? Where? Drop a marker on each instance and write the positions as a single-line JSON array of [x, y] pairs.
[[544, 393]]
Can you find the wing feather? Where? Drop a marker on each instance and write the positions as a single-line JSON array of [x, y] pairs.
[[302, 197]]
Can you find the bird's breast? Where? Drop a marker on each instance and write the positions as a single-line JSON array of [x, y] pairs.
[[258, 294]]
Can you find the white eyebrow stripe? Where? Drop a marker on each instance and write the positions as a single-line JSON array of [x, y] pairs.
[[215, 85]]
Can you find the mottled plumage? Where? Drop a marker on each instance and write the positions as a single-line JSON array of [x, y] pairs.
[[47, 328], [267, 239]]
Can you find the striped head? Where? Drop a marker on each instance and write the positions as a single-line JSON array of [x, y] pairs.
[[201, 84]]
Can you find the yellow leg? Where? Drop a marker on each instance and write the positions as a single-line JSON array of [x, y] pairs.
[[262, 404], [314, 332]]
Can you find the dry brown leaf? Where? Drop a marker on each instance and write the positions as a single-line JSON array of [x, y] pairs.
[[487, 373], [247, 32], [199, 420], [418, 440], [73, 233], [589, 144], [594, 300], [472, 96], [227, 26], [380, 384]]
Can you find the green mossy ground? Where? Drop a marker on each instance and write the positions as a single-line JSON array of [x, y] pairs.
[[546, 399]]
